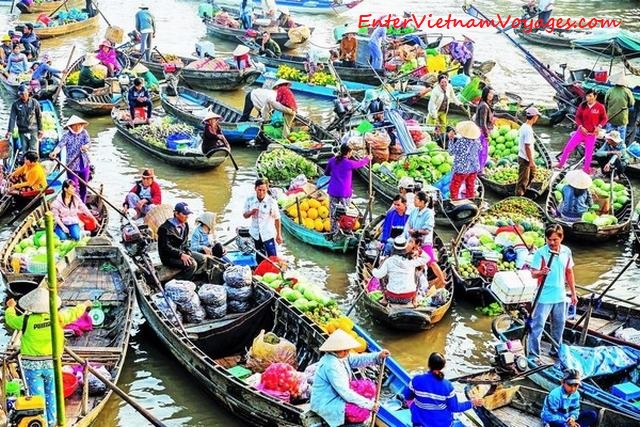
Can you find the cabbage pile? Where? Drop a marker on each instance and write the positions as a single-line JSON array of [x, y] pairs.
[[159, 131], [431, 164], [32, 250], [281, 166]]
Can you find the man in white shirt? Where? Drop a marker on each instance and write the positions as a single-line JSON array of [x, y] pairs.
[[263, 100], [265, 221], [526, 155], [546, 8]]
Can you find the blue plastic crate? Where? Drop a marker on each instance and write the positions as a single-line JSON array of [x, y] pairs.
[[239, 258], [627, 391]]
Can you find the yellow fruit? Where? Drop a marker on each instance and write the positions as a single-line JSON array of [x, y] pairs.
[[295, 219], [363, 345], [319, 225], [303, 214], [357, 225], [304, 206], [293, 212], [323, 211], [325, 202], [313, 203], [309, 223], [327, 225], [312, 213]]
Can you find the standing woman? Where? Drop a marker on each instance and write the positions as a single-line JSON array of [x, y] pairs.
[[76, 140], [36, 347], [246, 14], [285, 97], [330, 392], [212, 136], [466, 159], [484, 119], [378, 37], [340, 169], [441, 96], [67, 208]]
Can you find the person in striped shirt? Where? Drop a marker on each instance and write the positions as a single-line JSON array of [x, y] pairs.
[[434, 399]]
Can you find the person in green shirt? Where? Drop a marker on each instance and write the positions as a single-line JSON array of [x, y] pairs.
[[36, 348], [269, 47], [618, 100]]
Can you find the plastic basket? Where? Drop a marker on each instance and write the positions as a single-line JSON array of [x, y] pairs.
[[36, 267], [70, 383]]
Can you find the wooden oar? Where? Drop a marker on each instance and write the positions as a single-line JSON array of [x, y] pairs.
[[117, 390], [527, 326], [58, 8], [66, 72], [374, 415]]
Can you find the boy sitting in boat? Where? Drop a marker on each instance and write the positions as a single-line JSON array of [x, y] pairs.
[[562, 405]]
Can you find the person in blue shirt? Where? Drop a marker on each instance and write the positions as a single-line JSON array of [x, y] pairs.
[[613, 154], [246, 14], [146, 26], [562, 404], [330, 391], [552, 297], [30, 41], [138, 96], [576, 197], [434, 399], [394, 223], [378, 36], [45, 72], [202, 239]]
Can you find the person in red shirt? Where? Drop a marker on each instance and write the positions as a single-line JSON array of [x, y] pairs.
[[285, 97], [591, 117]]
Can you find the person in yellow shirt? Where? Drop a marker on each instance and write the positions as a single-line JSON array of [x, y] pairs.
[[30, 176], [36, 348]]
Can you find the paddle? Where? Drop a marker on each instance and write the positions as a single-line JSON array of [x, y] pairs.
[[117, 390], [527, 327], [374, 415], [58, 8], [463, 378], [13, 3], [66, 72], [40, 194]]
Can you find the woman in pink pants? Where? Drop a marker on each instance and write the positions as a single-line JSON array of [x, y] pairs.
[[591, 117]]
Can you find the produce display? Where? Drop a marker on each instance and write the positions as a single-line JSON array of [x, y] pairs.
[[49, 125], [283, 378], [281, 166], [430, 165], [314, 212], [601, 190], [503, 152], [32, 251], [313, 301], [99, 72], [497, 236], [62, 18], [160, 131], [319, 78]]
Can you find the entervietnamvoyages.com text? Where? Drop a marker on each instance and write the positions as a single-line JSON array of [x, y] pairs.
[[500, 22]]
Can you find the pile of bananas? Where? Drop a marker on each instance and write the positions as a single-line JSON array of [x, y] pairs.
[[289, 73]]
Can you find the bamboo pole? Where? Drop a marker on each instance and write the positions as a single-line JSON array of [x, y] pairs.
[[56, 339]]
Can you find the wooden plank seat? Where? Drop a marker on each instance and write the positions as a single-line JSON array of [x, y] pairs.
[[165, 273]]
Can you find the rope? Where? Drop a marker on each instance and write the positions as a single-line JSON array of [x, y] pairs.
[[324, 47]]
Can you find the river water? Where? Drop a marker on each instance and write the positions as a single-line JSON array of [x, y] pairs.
[[150, 374]]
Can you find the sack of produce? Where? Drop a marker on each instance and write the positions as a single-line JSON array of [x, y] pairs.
[[283, 379], [239, 294], [217, 312], [212, 295], [192, 310], [365, 388], [440, 297], [238, 306], [180, 291], [170, 311], [96, 386], [395, 152], [237, 276], [379, 142], [268, 348]]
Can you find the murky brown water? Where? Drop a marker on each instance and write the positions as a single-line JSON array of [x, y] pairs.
[[150, 374]]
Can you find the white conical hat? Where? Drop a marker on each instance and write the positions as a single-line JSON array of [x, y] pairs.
[[468, 129], [37, 301], [90, 61], [578, 179], [75, 120], [211, 115], [241, 50], [140, 69], [619, 79], [338, 341]]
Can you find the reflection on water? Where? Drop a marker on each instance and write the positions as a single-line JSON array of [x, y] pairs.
[[150, 374]]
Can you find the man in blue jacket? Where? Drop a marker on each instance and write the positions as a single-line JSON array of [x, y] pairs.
[[138, 96], [562, 405], [146, 26]]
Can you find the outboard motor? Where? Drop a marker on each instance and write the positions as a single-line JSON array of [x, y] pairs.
[[244, 241], [509, 357]]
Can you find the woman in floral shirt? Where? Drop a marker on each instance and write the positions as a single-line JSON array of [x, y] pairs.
[[465, 150]]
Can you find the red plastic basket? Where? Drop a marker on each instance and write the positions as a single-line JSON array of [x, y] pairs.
[[70, 383]]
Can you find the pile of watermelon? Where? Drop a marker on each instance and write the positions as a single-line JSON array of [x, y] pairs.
[[33, 249], [604, 190]]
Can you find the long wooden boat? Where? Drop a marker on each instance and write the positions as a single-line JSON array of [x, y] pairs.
[[190, 159], [396, 316], [321, 7], [63, 30], [232, 34], [323, 142], [343, 243], [596, 387], [33, 223], [190, 107], [583, 231], [525, 406], [556, 39], [99, 272], [261, 166], [205, 79], [11, 86], [503, 210], [537, 187], [47, 6]]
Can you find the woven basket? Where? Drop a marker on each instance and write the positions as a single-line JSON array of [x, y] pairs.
[[156, 217]]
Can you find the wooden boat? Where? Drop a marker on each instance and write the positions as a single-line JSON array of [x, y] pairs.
[[63, 30], [343, 243], [525, 405], [596, 382], [98, 272], [396, 316], [205, 79], [322, 143], [635, 227], [537, 187], [583, 231], [190, 159], [232, 34], [11, 86], [33, 223], [47, 7], [450, 213], [557, 39], [280, 183], [476, 283], [190, 106], [321, 7]]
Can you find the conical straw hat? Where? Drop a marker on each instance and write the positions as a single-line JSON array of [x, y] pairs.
[[338, 341], [468, 129], [578, 179], [37, 301]]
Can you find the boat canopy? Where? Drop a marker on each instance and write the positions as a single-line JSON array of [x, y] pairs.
[[626, 40]]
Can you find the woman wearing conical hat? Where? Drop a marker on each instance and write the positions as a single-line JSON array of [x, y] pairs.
[[76, 140], [330, 392]]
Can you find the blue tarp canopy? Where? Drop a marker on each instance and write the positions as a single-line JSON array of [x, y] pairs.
[[598, 361], [626, 40]]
